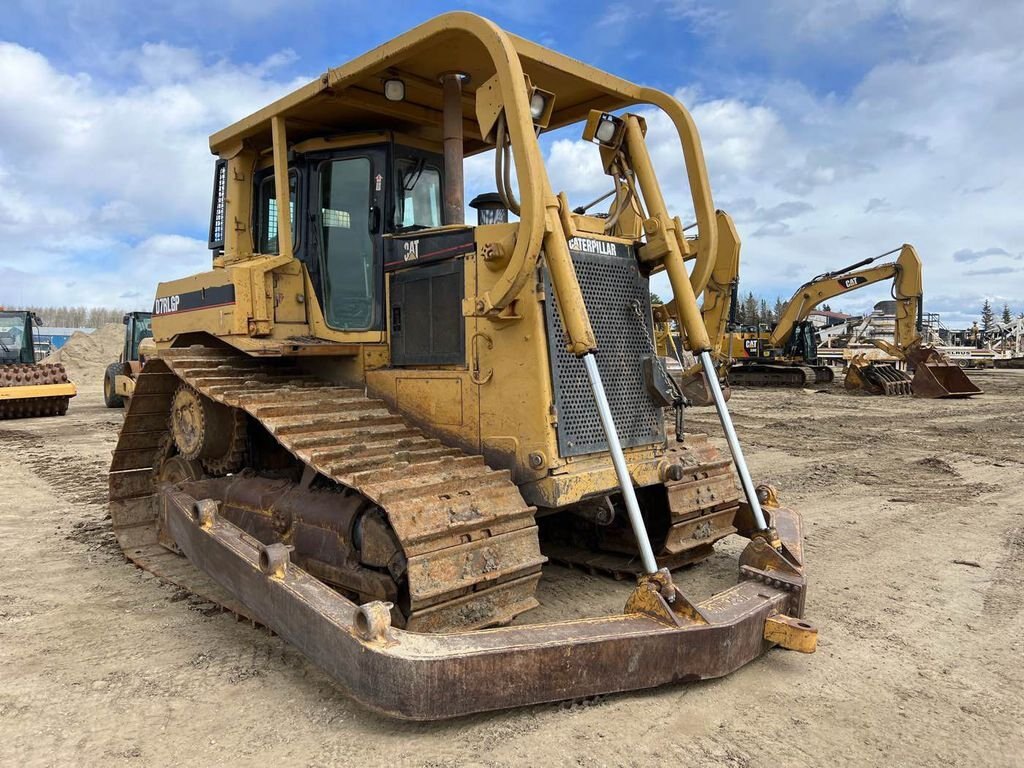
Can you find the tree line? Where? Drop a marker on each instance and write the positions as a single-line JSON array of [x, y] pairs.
[[77, 317], [988, 316]]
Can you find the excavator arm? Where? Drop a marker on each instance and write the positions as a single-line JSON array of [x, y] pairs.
[[905, 273]]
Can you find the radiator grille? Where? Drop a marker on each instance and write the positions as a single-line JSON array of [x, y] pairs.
[[610, 285]]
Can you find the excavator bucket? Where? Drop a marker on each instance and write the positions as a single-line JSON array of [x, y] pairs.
[[936, 376], [877, 378]]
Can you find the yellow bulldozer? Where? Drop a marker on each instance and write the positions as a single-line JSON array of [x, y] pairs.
[[28, 388], [370, 426]]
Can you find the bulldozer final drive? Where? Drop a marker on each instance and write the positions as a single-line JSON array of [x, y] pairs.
[[370, 425]]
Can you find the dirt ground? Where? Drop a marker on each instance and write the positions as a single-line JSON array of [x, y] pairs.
[[920, 661]]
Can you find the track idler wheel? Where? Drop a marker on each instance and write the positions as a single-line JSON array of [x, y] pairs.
[[208, 432]]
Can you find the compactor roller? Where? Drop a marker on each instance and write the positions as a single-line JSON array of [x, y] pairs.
[[28, 388], [371, 426]]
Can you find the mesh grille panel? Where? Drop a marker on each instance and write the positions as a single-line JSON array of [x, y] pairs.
[[220, 178], [610, 285]]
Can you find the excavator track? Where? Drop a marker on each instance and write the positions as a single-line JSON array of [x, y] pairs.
[[38, 376], [765, 375], [469, 541]]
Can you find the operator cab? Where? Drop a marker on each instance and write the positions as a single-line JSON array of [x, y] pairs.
[[138, 326], [16, 338], [354, 207]]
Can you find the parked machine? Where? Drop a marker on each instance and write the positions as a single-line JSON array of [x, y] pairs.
[[370, 425], [119, 378], [28, 388], [787, 355]]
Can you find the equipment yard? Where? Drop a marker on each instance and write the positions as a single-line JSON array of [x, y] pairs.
[[914, 526]]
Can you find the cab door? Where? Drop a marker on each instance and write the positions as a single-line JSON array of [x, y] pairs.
[[349, 195]]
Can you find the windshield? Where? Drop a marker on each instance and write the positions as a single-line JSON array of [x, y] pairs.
[[417, 194], [12, 338], [143, 330]]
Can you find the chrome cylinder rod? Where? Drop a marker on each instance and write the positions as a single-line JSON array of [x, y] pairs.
[[734, 444], [619, 461]]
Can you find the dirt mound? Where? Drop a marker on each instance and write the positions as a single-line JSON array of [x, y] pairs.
[[85, 356]]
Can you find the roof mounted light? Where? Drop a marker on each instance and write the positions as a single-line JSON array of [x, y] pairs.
[[604, 128], [394, 89], [542, 104], [536, 105]]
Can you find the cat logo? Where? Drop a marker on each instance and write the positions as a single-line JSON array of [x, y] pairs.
[[852, 282], [411, 250], [751, 346]]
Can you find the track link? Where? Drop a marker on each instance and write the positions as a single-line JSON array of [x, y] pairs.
[[469, 538]]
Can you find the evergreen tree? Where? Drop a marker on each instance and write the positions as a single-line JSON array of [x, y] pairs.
[[987, 317], [765, 315], [780, 307], [826, 308], [750, 316], [1007, 317]]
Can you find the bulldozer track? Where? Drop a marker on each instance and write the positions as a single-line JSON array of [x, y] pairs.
[[33, 375], [469, 538]]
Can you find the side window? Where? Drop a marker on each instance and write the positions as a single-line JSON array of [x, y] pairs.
[[417, 194], [268, 213], [350, 262]]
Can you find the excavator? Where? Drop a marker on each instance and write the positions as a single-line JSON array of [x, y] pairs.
[[787, 355], [371, 426], [28, 388]]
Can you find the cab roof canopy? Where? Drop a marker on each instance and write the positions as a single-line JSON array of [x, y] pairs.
[[350, 98]]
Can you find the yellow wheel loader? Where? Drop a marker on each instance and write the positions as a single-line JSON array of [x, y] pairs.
[[28, 388], [119, 378], [371, 426]]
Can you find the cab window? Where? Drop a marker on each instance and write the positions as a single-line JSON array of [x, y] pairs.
[[349, 259], [268, 213], [417, 194]]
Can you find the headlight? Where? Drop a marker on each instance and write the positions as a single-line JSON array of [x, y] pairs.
[[537, 104], [604, 128], [394, 89]]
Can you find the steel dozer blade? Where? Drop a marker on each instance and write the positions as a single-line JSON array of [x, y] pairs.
[[419, 676], [877, 378], [936, 376]]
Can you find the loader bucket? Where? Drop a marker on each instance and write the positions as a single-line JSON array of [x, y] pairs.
[[877, 378], [942, 380]]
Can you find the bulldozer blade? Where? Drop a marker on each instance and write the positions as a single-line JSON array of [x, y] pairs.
[[417, 676], [936, 380]]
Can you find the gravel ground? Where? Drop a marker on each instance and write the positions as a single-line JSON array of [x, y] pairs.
[[915, 543]]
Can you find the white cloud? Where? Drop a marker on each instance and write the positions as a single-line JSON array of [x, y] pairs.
[[921, 146], [88, 169], [924, 148]]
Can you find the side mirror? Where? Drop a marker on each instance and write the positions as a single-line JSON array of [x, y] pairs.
[[124, 319]]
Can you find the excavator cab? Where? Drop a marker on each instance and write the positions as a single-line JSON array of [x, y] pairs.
[[371, 426]]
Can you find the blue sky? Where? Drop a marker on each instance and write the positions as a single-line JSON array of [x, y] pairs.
[[833, 130]]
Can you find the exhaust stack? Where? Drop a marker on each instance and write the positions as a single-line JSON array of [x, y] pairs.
[[454, 193]]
